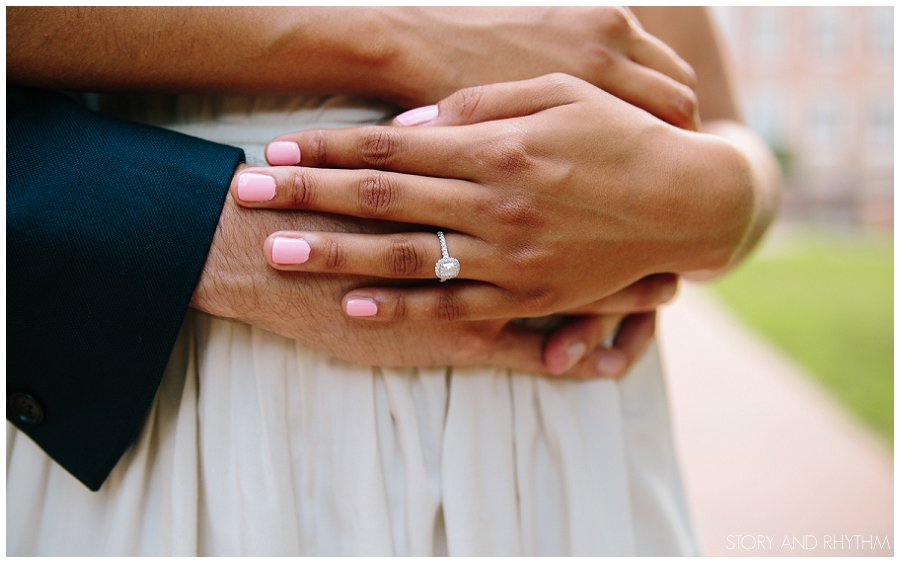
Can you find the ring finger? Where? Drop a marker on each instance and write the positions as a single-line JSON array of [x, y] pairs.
[[399, 255]]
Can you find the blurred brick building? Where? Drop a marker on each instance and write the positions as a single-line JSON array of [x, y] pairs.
[[818, 84]]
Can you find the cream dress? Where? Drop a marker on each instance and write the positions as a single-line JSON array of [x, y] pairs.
[[260, 445]]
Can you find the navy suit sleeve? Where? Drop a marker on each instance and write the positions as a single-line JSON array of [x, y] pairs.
[[108, 226]]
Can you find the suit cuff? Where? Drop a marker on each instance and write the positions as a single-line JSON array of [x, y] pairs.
[[108, 226]]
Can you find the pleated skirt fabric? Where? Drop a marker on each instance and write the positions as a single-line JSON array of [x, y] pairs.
[[259, 445]]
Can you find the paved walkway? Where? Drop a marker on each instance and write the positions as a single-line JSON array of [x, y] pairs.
[[770, 461]]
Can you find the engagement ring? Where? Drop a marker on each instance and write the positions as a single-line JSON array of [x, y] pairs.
[[446, 268]]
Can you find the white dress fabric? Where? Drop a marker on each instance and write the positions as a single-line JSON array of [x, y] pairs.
[[260, 445]]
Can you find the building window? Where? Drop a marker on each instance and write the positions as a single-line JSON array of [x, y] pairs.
[[882, 122], [828, 35], [879, 132], [768, 34], [826, 131], [765, 115], [881, 32]]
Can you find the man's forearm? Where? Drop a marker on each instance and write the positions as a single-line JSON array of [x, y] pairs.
[[282, 49], [105, 241]]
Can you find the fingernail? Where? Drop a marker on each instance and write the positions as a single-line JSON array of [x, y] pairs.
[[418, 116], [283, 153], [668, 293], [610, 365], [290, 251], [255, 187], [361, 308], [574, 352]]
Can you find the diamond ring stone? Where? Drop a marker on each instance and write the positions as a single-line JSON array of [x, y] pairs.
[[446, 268]]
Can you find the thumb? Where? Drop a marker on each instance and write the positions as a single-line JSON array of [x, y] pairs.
[[521, 349], [497, 101]]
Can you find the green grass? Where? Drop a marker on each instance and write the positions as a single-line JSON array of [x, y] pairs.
[[828, 301]]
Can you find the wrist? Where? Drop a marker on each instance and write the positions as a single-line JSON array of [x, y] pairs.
[[734, 186], [373, 52], [218, 291], [721, 202], [410, 66]]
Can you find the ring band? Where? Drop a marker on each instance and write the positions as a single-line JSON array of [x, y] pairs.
[[446, 268]]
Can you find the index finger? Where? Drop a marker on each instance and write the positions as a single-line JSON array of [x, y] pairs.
[[460, 148], [440, 152], [650, 52]]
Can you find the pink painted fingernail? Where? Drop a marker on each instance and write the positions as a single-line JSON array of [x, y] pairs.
[[361, 308], [290, 251], [574, 352], [283, 153], [255, 187], [610, 365], [418, 116]]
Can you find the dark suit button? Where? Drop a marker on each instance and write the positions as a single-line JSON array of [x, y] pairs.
[[26, 408]]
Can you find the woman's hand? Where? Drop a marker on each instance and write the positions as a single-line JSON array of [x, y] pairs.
[[237, 284], [553, 194]]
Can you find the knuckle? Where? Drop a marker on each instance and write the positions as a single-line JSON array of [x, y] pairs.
[[685, 103], [334, 256], [400, 310], [602, 58], [377, 194], [300, 191], [563, 86], [403, 258], [517, 212], [690, 77], [560, 81], [467, 102], [537, 301], [318, 153], [379, 147], [689, 103], [449, 307], [510, 157], [615, 21]]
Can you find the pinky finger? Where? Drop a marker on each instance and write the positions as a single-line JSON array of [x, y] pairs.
[[460, 300]]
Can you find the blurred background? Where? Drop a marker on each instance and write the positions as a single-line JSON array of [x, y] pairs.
[[817, 84], [781, 373]]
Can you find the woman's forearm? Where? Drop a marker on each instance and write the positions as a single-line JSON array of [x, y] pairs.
[[691, 33], [758, 175]]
